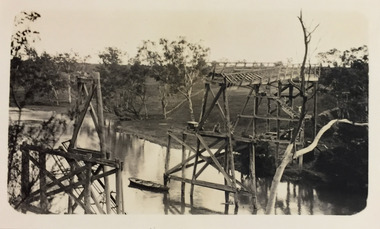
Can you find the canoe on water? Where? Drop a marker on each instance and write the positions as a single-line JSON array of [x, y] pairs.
[[147, 185]]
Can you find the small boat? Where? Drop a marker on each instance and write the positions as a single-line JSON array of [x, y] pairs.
[[147, 185]]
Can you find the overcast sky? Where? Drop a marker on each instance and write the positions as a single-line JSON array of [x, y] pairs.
[[250, 31]]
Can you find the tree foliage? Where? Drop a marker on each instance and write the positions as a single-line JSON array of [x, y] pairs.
[[348, 84], [123, 86], [177, 65]]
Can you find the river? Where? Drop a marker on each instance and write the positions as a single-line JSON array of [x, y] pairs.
[[145, 160]]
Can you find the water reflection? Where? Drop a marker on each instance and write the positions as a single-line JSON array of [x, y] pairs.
[[145, 160]]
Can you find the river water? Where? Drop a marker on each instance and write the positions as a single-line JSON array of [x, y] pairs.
[[145, 160]]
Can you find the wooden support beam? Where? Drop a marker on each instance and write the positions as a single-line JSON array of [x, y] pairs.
[[269, 118], [252, 170], [204, 101], [179, 166], [101, 134], [183, 185], [204, 183], [119, 204], [61, 179], [87, 189], [229, 152], [205, 116], [42, 166], [63, 188], [208, 162], [92, 110], [80, 119], [25, 189], [194, 170], [72, 156], [218, 105], [278, 123], [244, 107], [104, 174], [216, 162], [167, 159]]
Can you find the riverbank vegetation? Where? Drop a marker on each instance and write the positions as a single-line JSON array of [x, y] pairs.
[[161, 88]]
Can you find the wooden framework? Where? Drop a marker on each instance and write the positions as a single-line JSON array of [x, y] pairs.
[[84, 173], [267, 115]]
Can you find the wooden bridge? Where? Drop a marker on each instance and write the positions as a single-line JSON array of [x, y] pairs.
[[83, 173], [267, 112]]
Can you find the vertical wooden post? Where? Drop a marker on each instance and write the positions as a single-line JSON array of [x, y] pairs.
[[315, 112], [167, 160], [268, 94], [69, 88], [230, 147], [252, 169], [255, 108], [194, 171], [70, 201], [204, 101], [42, 165], [278, 122], [184, 136], [99, 101], [118, 189], [103, 150], [226, 168], [25, 190], [87, 189]]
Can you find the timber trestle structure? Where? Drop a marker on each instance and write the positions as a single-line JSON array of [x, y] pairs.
[[82, 174], [267, 114]]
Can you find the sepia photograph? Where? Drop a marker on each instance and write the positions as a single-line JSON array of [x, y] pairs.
[[164, 108]]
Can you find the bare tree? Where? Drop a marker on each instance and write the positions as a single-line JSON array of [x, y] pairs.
[[288, 157]]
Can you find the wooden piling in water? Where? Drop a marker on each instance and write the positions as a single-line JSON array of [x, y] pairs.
[[167, 160], [103, 149], [119, 204], [252, 170], [230, 146], [25, 190], [183, 184], [42, 177], [87, 189]]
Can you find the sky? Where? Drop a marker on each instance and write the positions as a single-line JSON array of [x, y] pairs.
[[250, 32]]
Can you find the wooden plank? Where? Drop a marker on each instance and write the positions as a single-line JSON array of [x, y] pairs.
[[203, 183]]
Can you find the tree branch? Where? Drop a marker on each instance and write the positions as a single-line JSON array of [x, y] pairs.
[[321, 132]]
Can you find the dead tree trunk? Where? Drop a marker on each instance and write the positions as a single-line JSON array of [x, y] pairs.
[[288, 155]]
